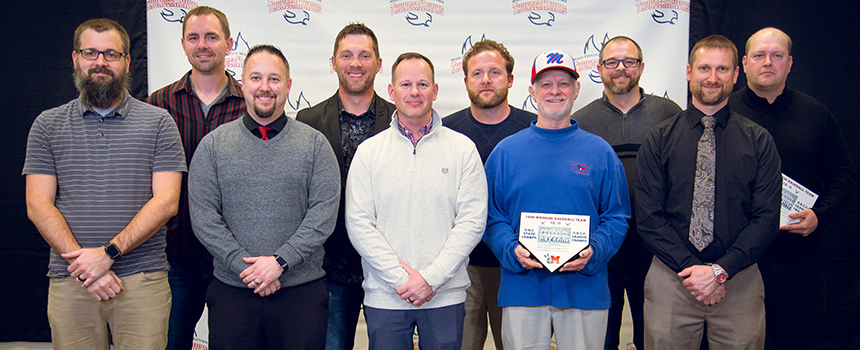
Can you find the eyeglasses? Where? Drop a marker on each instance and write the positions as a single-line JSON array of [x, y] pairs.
[[628, 63], [93, 54]]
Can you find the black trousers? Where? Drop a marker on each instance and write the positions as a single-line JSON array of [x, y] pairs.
[[291, 318], [795, 296]]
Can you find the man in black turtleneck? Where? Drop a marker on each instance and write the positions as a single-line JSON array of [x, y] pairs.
[[814, 154]]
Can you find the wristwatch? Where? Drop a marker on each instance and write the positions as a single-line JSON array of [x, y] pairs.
[[112, 251], [281, 262], [720, 275]]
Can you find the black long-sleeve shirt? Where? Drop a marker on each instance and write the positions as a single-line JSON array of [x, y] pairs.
[[747, 194], [813, 153]]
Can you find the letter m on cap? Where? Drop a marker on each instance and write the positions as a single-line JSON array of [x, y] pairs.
[[555, 57]]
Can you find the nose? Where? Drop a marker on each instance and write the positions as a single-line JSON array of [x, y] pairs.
[[767, 60]]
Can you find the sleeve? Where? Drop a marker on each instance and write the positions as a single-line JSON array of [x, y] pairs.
[[613, 212], [323, 202], [765, 200], [169, 154], [837, 172], [204, 200], [361, 220], [500, 235], [652, 189], [470, 220], [39, 158]]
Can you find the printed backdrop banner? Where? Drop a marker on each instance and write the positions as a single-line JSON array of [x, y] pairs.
[[441, 30]]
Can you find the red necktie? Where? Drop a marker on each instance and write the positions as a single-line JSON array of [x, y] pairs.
[[264, 132]]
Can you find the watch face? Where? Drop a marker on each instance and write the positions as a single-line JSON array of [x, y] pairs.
[[112, 251], [721, 277]]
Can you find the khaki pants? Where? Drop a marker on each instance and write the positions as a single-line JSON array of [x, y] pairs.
[[674, 319], [482, 300], [531, 327], [137, 316]]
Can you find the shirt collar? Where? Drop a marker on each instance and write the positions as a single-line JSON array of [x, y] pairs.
[[184, 85], [277, 125], [694, 116], [120, 111], [761, 104], [367, 114]]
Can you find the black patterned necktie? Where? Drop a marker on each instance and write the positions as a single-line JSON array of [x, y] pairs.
[[702, 218]]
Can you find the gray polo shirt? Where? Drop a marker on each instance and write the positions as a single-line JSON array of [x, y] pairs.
[[104, 167]]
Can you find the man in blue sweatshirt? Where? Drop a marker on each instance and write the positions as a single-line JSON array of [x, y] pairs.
[[554, 168]]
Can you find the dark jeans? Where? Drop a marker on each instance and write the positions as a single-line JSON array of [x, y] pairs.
[[438, 329], [188, 282], [344, 305]]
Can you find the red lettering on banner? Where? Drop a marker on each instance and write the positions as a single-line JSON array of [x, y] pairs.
[[418, 5], [647, 5], [186, 4], [544, 5], [279, 5]]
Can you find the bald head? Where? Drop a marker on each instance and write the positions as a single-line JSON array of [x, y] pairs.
[[767, 62], [769, 33]]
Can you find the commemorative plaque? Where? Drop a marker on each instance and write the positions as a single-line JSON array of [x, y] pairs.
[[554, 239]]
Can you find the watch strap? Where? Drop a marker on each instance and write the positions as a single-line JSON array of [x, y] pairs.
[[281, 262]]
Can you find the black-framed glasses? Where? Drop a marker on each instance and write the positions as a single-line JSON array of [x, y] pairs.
[[627, 62], [93, 54]]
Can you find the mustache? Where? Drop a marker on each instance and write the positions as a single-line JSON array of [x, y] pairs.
[[100, 70], [205, 52]]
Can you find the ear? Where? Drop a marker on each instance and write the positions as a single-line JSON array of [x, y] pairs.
[[435, 91], [510, 80], [229, 46], [689, 70], [390, 92], [289, 85]]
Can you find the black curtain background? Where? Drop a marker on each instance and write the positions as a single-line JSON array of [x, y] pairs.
[[38, 70]]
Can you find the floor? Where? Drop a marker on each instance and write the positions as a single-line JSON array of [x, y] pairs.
[[360, 337]]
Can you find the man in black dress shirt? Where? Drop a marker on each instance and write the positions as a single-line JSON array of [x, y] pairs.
[[716, 282], [814, 154]]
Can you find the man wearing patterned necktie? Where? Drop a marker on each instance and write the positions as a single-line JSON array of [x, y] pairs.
[[708, 195]]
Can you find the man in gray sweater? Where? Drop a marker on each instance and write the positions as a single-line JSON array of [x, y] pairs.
[[623, 116], [264, 192]]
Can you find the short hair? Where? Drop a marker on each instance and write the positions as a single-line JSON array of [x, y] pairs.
[[101, 25], [409, 56], [357, 29], [621, 38], [489, 45], [206, 10], [787, 40], [715, 41], [271, 49]]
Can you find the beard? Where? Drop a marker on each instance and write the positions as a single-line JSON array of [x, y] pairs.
[[264, 113], [631, 82], [715, 99], [100, 92], [355, 88], [498, 98], [205, 67], [563, 112]]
